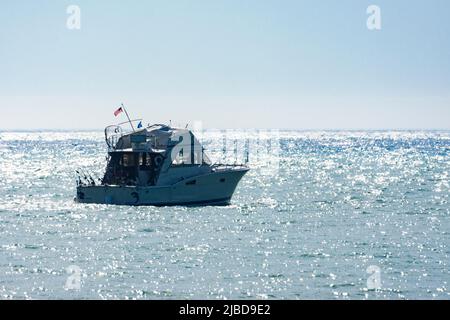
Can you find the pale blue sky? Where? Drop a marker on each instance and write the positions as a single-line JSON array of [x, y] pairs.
[[264, 64]]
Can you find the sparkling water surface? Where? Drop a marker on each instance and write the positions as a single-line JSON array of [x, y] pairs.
[[305, 223]]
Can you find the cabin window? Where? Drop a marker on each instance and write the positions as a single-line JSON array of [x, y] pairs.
[[145, 160], [128, 160], [191, 183], [148, 160], [222, 180]]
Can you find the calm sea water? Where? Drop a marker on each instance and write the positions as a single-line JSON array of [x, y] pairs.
[[305, 223]]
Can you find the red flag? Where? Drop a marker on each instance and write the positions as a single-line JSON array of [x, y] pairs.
[[118, 111]]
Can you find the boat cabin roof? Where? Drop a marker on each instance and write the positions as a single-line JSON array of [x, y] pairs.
[[131, 150], [155, 138]]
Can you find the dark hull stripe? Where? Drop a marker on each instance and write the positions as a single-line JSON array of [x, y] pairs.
[[217, 202]]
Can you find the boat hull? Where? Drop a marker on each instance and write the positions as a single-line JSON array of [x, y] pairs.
[[214, 188]]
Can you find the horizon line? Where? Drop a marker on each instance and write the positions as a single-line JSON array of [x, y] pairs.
[[220, 129]]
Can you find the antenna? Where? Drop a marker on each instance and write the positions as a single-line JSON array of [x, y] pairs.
[[247, 147], [235, 151], [129, 120]]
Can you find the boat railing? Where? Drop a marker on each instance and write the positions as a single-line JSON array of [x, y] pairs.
[[223, 166], [114, 132]]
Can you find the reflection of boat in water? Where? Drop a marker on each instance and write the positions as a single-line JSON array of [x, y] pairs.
[[159, 165]]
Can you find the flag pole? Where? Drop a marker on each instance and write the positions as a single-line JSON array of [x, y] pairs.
[[129, 120]]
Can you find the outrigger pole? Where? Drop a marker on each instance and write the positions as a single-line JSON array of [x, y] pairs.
[[129, 120]]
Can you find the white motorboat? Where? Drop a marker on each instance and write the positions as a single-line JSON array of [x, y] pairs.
[[159, 165]]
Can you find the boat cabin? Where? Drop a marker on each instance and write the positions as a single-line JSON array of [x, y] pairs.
[[133, 168], [143, 158], [159, 165]]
